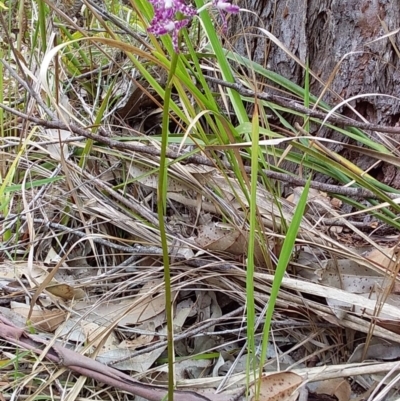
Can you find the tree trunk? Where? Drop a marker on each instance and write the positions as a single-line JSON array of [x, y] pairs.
[[325, 32]]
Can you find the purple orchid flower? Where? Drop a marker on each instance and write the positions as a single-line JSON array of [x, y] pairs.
[[166, 14], [226, 6]]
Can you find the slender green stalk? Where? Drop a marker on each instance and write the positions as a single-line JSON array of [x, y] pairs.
[[42, 24], [306, 125], [284, 259], [250, 310], [162, 206], [89, 143], [223, 63], [1, 95]]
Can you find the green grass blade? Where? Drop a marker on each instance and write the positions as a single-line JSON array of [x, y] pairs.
[[284, 259]]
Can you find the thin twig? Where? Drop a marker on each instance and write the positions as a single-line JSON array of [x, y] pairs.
[[80, 234], [186, 334], [23, 81], [196, 159], [296, 106]]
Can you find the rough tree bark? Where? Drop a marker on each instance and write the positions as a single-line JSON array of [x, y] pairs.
[[324, 31]]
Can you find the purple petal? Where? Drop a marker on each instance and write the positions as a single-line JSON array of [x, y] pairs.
[[185, 9], [174, 6], [226, 6], [159, 29], [156, 3], [165, 14], [162, 27]]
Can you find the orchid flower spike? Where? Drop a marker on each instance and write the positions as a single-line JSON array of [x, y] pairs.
[[166, 19], [165, 14]]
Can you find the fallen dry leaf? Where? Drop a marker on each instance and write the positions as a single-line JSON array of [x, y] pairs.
[[277, 387], [46, 320], [339, 388], [385, 257], [65, 291]]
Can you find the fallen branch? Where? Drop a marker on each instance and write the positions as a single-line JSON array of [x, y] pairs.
[[195, 159], [88, 367], [297, 106]]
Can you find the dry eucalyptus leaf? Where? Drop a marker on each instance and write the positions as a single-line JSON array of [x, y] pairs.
[[123, 311], [52, 256], [317, 201], [277, 387], [183, 310], [46, 320], [290, 198], [58, 135], [339, 388], [146, 177], [378, 350], [10, 271], [120, 358], [189, 368], [146, 305], [239, 366], [14, 317], [339, 308], [95, 336], [214, 237], [56, 149], [385, 257], [65, 291], [200, 169], [141, 340], [226, 238], [71, 330], [349, 276], [223, 358]]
